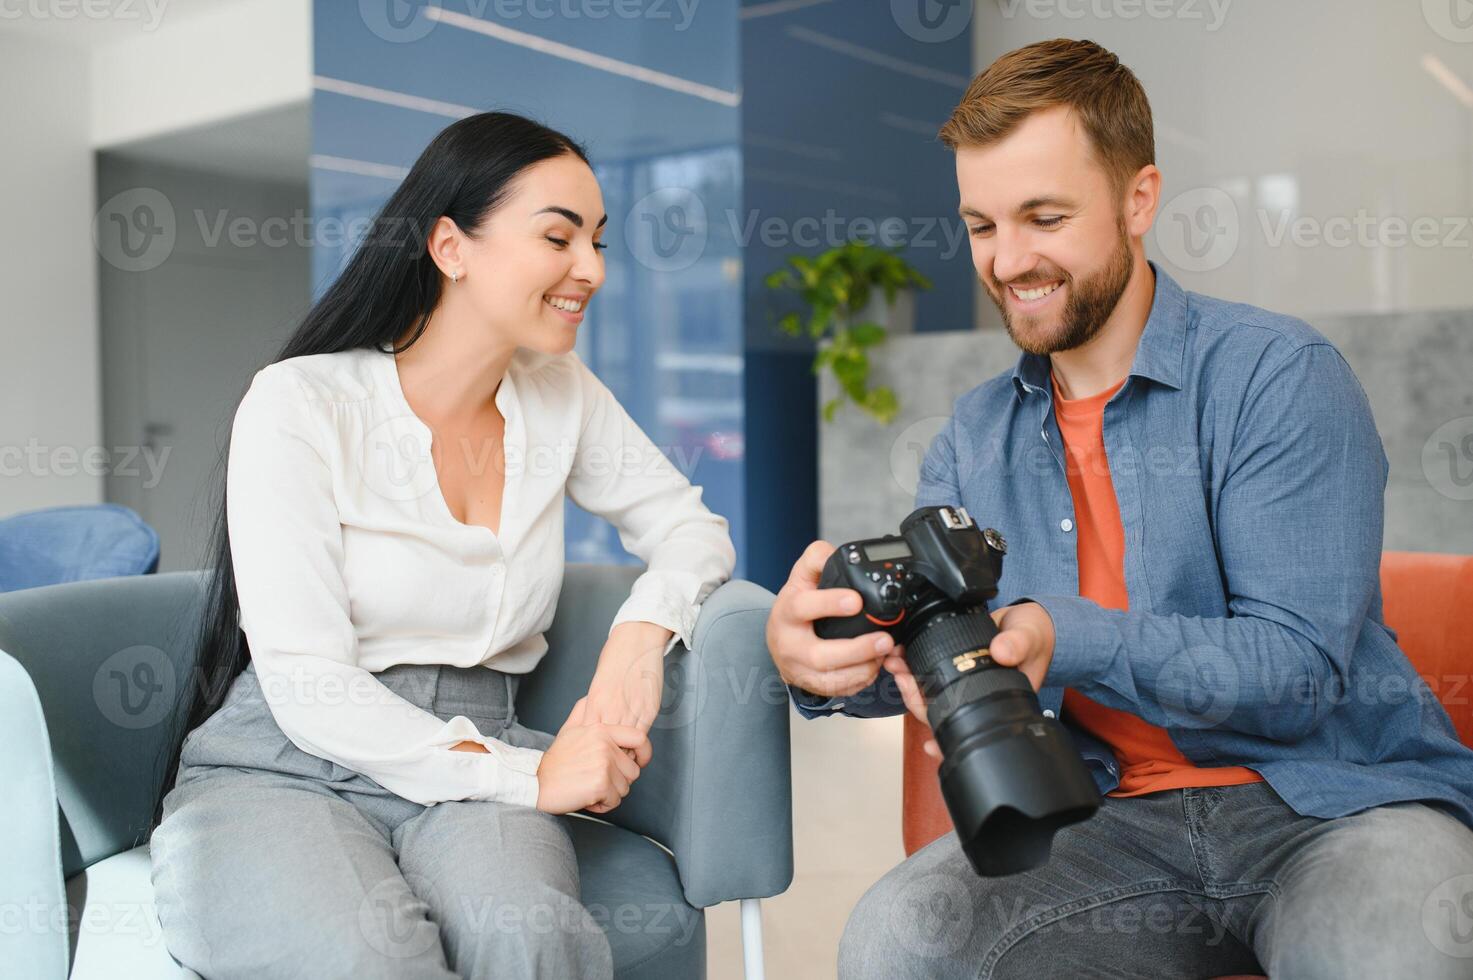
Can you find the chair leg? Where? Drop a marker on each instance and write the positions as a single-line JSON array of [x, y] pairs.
[[752, 938]]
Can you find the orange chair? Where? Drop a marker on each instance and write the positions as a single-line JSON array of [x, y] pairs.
[[1421, 595]]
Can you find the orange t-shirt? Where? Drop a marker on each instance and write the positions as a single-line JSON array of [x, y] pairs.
[[1149, 759]]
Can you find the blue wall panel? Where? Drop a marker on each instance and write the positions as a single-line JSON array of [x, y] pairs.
[[841, 103]]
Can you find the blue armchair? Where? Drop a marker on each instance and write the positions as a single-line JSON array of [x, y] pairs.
[[709, 821]]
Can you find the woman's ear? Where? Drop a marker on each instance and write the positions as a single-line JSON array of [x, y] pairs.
[[445, 246]]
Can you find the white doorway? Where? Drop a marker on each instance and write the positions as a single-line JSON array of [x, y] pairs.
[[204, 271]]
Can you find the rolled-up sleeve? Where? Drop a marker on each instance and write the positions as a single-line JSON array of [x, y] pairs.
[[286, 547], [620, 475], [1298, 532]]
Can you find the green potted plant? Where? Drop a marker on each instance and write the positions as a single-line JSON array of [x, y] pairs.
[[837, 286]]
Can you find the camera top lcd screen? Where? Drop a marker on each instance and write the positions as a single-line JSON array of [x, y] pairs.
[[887, 550]]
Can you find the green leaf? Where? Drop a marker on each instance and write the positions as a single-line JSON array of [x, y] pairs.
[[818, 322], [866, 334], [852, 368], [882, 404], [790, 324], [830, 407]]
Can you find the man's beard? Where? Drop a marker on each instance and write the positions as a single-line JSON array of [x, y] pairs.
[[1090, 303]]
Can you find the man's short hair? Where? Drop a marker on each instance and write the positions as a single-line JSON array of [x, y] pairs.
[[1106, 96]]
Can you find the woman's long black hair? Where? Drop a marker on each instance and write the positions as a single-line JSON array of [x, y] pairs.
[[389, 287]]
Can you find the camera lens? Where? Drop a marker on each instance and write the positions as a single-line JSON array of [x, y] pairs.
[[1010, 777]]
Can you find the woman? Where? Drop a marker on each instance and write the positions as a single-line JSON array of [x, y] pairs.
[[364, 802]]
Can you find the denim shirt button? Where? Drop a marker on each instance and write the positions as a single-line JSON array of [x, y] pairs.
[[1048, 712], [1066, 525]]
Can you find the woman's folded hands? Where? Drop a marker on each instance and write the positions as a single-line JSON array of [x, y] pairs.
[[603, 745]]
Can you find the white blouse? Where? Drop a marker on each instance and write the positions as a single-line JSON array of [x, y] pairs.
[[348, 560]]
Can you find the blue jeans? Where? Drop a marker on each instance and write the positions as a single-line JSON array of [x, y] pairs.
[[1187, 883]]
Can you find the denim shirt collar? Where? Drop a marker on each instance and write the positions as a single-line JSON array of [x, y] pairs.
[[1158, 355]]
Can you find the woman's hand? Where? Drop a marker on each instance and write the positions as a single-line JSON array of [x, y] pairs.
[[587, 767], [630, 678]]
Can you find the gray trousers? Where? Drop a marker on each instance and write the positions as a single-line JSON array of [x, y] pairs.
[[1184, 884], [272, 862]]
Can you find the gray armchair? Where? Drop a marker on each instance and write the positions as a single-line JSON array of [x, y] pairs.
[[92, 672]]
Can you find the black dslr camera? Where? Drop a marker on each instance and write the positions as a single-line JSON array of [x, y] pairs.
[[1010, 776]]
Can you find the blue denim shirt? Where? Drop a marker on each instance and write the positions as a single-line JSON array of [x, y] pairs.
[[1250, 477]]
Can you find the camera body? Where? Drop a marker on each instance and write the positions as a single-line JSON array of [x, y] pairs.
[[940, 561], [1010, 776]]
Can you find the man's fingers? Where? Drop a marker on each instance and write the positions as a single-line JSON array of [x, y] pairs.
[[823, 603], [909, 690], [828, 655], [932, 749], [810, 564], [1006, 648], [839, 683]]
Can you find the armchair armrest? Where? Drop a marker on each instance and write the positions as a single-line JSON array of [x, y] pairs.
[[30, 878], [718, 790]]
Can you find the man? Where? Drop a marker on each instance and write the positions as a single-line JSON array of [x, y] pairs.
[[1189, 489]]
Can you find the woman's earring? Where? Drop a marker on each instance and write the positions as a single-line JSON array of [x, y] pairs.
[[455, 277]]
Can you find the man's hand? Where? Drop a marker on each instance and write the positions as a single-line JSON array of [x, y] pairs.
[[1025, 641], [827, 668]]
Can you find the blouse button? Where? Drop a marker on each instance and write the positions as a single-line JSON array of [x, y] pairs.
[[1066, 525]]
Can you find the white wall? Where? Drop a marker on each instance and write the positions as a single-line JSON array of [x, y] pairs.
[[49, 391], [73, 86], [1315, 111]]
